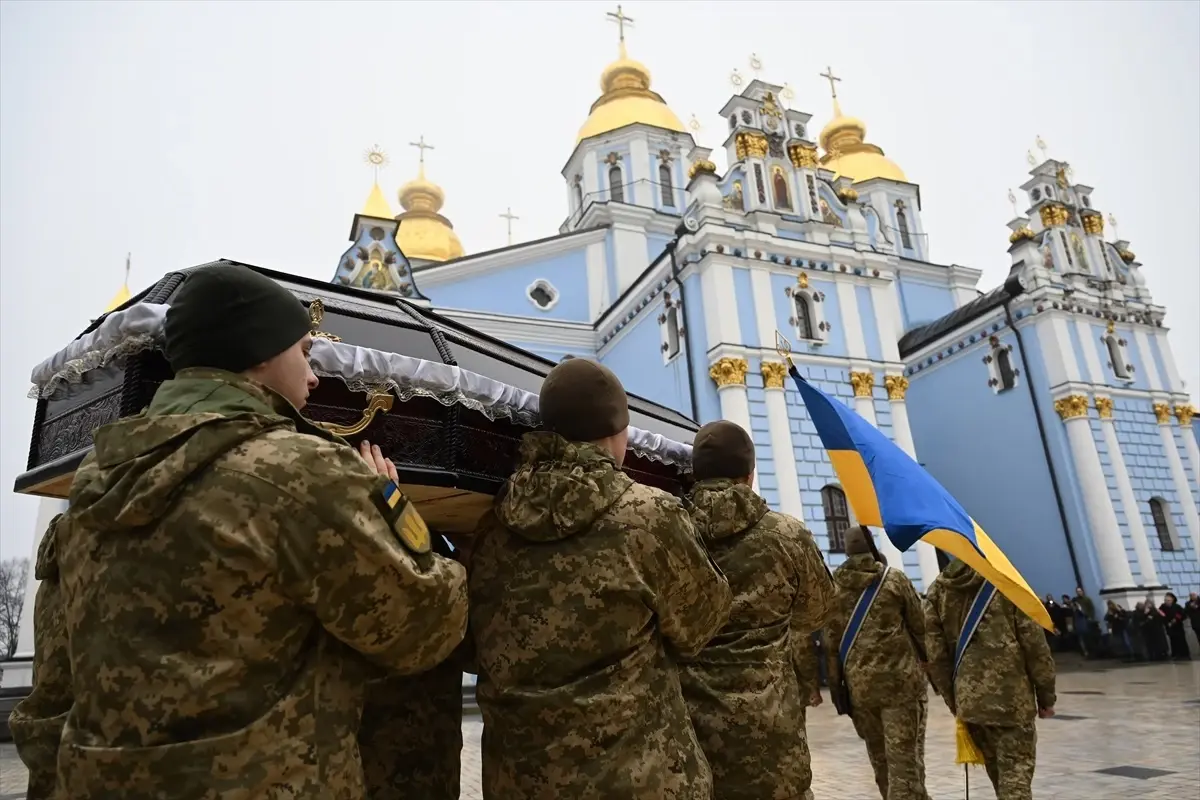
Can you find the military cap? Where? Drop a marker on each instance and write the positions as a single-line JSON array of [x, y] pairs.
[[232, 318], [582, 400], [857, 541], [722, 449]]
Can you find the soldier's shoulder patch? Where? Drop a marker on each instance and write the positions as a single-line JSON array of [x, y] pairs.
[[403, 518]]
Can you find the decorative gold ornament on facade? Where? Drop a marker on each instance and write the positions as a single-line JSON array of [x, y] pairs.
[[896, 385], [1020, 234], [316, 313], [1093, 224], [1184, 414], [1104, 407], [1053, 215], [729, 372], [753, 145], [773, 374], [803, 156], [1162, 413], [1126, 255], [1110, 327], [701, 165], [863, 383], [1072, 406], [846, 194], [802, 280]]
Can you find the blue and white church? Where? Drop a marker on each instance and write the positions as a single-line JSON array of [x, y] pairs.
[[1049, 406]]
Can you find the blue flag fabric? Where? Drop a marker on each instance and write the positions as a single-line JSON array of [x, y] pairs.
[[888, 489]]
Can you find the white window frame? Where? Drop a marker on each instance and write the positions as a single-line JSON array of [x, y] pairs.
[[671, 306], [995, 379], [815, 302], [550, 289]]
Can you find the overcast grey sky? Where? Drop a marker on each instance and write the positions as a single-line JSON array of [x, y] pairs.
[[184, 132]]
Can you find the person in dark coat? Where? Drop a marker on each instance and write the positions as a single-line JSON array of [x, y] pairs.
[[1174, 619], [1154, 631], [1119, 642]]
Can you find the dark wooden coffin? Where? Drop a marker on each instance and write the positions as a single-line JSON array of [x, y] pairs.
[[452, 459]]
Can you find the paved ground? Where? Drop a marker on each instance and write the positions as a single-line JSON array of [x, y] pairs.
[[1123, 732]]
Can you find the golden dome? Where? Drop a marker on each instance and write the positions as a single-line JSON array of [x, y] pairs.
[[625, 99], [424, 233], [377, 205], [847, 152]]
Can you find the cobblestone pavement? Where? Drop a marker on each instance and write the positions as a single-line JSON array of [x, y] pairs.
[[1119, 733]]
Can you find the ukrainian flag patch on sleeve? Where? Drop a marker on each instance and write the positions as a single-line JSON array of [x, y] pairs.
[[404, 519]]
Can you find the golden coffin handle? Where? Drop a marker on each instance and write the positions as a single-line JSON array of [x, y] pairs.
[[381, 401]]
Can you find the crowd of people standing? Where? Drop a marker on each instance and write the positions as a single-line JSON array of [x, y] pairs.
[[1148, 632]]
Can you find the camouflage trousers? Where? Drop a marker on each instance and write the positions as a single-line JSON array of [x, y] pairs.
[[410, 738], [1009, 754], [895, 738]]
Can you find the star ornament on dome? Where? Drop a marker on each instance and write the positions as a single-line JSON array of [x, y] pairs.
[[756, 63], [375, 156], [694, 123], [736, 78], [787, 94]]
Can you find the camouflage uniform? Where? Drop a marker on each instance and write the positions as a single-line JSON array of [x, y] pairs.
[[1007, 674], [410, 738], [37, 721], [742, 690], [883, 674], [581, 582], [232, 576]]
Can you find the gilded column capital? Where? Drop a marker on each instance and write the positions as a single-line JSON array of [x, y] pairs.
[[1162, 412], [729, 372], [1184, 414], [896, 385], [773, 373], [1073, 406], [863, 383], [1104, 407], [803, 156]]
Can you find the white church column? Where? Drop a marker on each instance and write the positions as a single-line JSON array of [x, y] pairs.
[[863, 384], [1185, 414], [897, 386], [1102, 519], [1178, 477], [774, 375], [1133, 514], [730, 377]]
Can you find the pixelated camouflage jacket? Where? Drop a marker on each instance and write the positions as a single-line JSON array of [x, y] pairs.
[[882, 668], [582, 583], [808, 668], [410, 738], [1007, 670], [37, 721], [227, 570], [742, 689]]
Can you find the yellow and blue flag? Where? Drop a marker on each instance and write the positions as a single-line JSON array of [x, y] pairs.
[[888, 489]]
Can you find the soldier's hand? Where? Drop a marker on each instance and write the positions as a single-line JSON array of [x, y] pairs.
[[815, 699], [1045, 713], [374, 457]]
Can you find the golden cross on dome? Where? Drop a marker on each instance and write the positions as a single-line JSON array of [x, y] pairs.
[[829, 76], [508, 215], [756, 64], [621, 21], [420, 145]]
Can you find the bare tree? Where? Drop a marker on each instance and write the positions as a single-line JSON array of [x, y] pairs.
[[13, 574]]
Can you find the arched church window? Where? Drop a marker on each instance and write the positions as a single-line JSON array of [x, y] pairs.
[[1119, 367], [837, 517], [672, 342], [759, 184], [782, 198], [902, 224], [616, 185], [804, 322], [732, 121], [665, 186], [1008, 378], [1161, 514]]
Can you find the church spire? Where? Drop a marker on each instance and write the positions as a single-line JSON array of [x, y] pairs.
[[123, 295]]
